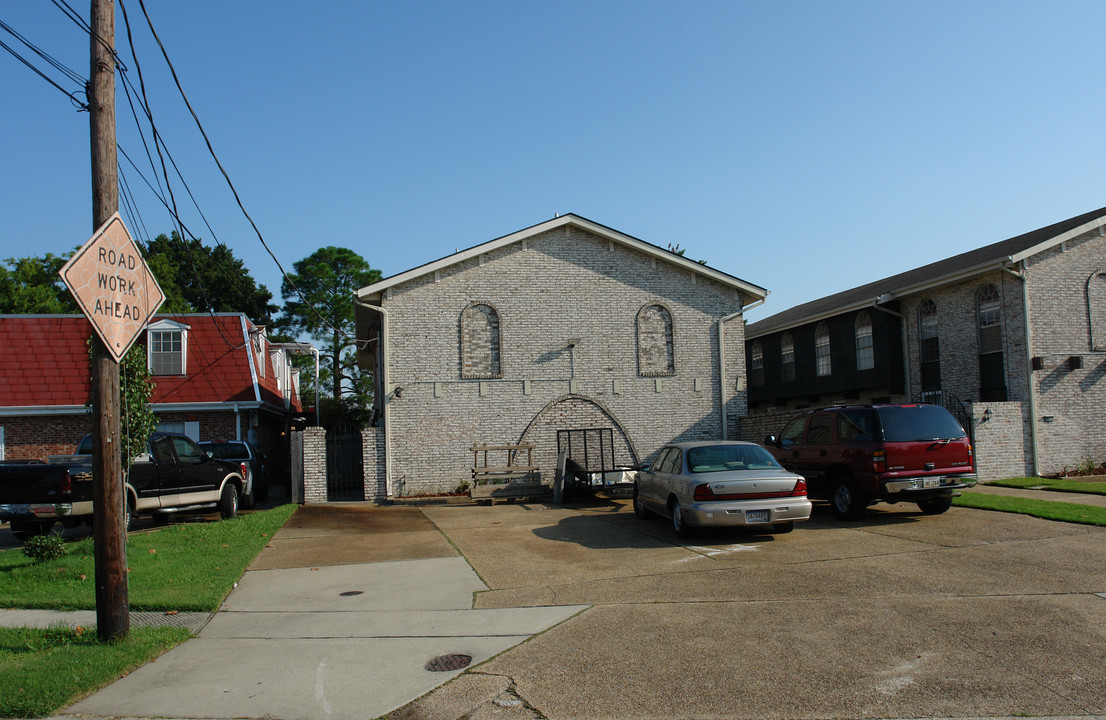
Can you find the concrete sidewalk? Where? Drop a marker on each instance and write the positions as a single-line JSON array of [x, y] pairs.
[[348, 640]]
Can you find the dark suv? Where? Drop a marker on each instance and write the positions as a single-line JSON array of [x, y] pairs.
[[856, 455]]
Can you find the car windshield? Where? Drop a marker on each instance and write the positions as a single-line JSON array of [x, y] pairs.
[[915, 423], [226, 451], [720, 458]]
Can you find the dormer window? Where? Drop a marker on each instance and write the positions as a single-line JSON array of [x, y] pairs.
[[257, 341], [167, 343]]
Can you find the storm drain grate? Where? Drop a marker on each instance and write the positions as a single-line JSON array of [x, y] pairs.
[[446, 663], [351, 593]]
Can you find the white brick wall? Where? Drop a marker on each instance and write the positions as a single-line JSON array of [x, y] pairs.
[[564, 284], [1071, 403]]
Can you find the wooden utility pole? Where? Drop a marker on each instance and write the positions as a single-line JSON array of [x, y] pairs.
[[110, 537]]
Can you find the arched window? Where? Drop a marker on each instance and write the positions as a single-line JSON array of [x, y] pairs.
[[865, 353], [1096, 309], [787, 357], [480, 356], [929, 347], [822, 350], [992, 376], [756, 363], [655, 352]]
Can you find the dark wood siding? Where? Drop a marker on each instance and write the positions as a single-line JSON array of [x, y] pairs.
[[886, 376]]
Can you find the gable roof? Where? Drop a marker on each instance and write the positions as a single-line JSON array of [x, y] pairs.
[[44, 364], [753, 292], [1003, 254]]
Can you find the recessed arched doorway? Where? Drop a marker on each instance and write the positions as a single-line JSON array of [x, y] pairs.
[[596, 425]]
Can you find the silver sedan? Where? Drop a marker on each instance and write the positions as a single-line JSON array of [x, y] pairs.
[[700, 484]]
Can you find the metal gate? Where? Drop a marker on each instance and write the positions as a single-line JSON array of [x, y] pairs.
[[345, 467], [953, 404], [591, 448]]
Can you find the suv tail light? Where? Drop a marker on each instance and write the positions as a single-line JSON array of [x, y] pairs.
[[703, 493], [800, 488], [245, 470], [879, 461], [67, 484]]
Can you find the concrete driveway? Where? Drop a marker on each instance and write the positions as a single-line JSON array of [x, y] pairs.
[[966, 614]]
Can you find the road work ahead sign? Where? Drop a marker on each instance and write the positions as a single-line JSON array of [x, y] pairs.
[[114, 286]]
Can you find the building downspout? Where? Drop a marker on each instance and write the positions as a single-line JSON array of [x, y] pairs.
[[387, 401], [1033, 445], [722, 364], [902, 340]]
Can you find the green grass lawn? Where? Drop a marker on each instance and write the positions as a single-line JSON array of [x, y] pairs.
[[1093, 487], [187, 567], [184, 567], [1049, 510], [43, 670]]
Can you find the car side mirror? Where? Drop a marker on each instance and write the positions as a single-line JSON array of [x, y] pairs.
[[771, 440]]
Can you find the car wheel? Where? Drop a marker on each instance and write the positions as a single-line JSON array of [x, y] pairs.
[[679, 526], [937, 505], [639, 506], [128, 516], [228, 502], [846, 500], [25, 529], [785, 527]]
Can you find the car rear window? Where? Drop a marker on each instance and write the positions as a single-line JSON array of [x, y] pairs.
[[720, 458], [227, 451], [914, 423]]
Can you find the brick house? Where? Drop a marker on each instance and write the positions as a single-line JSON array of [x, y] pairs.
[[566, 325], [1013, 332], [217, 377]]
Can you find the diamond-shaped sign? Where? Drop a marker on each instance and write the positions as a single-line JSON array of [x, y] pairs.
[[114, 286]]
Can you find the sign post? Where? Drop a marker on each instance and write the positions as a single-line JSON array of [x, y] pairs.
[[118, 294]]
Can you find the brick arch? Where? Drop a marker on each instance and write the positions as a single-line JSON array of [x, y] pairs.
[[1096, 309], [573, 412], [480, 341]]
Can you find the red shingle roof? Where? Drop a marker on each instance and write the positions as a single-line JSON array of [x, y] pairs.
[[44, 361]]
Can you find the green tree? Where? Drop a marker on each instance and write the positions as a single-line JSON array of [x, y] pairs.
[[199, 278], [31, 285], [136, 418], [318, 301]]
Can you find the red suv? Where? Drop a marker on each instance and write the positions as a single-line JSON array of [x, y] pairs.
[[857, 455]]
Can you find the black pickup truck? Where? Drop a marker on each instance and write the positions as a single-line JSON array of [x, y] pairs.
[[175, 475]]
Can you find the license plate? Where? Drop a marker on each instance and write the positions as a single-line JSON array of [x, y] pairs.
[[756, 516], [928, 483]]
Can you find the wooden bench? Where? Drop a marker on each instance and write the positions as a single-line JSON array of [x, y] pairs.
[[511, 479]]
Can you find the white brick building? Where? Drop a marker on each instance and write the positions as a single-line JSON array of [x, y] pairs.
[[566, 325], [1015, 329]]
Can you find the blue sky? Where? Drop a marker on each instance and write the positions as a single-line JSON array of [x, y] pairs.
[[806, 147]]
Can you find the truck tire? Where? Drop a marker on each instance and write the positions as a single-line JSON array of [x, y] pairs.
[[845, 499], [228, 502], [24, 529], [936, 506]]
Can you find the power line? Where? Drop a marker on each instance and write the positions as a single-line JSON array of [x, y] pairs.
[[72, 75], [222, 170]]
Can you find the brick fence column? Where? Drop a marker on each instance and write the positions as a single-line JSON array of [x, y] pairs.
[[372, 454], [314, 465]]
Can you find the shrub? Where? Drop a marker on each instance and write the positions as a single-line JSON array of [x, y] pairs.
[[41, 548]]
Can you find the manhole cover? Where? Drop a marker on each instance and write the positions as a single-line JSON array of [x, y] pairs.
[[446, 663], [350, 593]]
